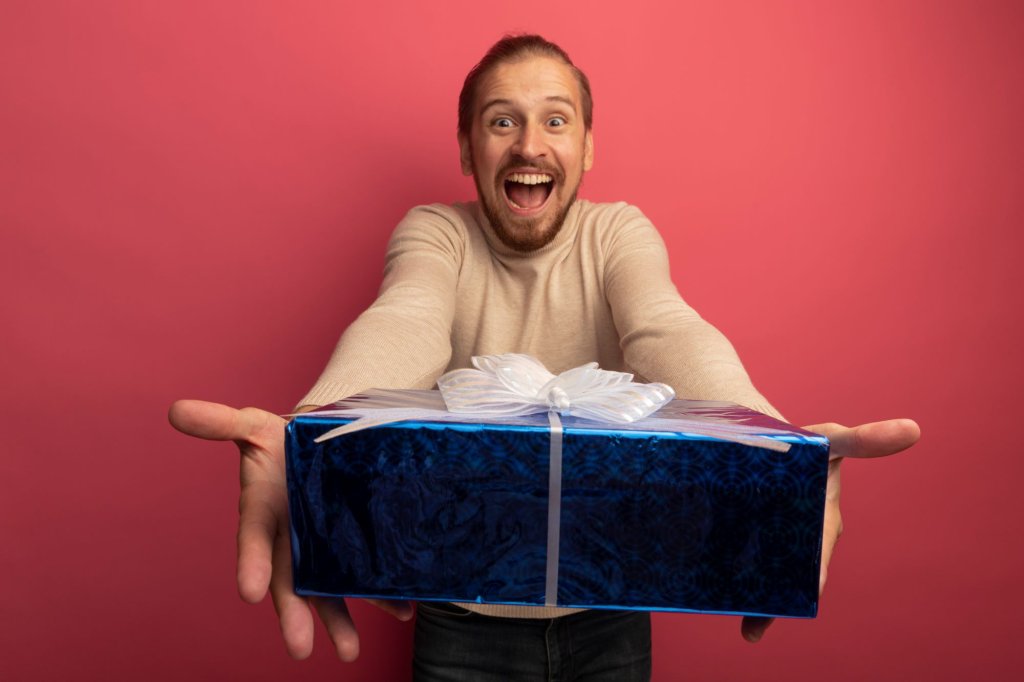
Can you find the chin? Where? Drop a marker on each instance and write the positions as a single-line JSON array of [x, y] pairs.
[[526, 235]]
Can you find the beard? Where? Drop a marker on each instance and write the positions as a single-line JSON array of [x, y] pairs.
[[524, 235]]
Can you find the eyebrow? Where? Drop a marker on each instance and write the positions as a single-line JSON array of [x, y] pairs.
[[507, 102]]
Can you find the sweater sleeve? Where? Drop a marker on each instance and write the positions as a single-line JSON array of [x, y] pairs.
[[403, 340], [663, 338]]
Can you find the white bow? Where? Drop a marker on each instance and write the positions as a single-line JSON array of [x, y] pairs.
[[514, 385]]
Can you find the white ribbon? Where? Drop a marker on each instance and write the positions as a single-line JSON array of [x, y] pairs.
[[503, 387], [509, 385]]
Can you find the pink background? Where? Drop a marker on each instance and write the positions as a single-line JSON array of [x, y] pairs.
[[194, 202]]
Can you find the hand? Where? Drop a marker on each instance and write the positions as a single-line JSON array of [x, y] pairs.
[[877, 439], [264, 551]]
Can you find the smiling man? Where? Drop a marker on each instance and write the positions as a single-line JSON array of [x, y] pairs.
[[525, 137], [527, 268]]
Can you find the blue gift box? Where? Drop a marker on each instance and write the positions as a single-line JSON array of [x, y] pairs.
[[652, 516]]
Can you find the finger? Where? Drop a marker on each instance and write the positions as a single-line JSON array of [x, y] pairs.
[[342, 630], [257, 527], [830, 537], [293, 611], [211, 421], [876, 439], [400, 609], [753, 627]]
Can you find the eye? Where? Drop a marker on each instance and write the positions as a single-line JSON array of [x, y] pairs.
[[503, 122], [556, 122]]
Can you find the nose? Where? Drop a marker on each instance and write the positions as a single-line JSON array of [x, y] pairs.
[[530, 143]]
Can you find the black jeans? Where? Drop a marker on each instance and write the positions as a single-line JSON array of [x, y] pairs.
[[455, 645]]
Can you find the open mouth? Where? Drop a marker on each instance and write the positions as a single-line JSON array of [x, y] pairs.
[[528, 192]]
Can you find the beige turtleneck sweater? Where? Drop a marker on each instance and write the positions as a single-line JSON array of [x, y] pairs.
[[600, 291]]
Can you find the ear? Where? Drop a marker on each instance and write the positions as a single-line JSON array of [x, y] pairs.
[[465, 155], [588, 151]]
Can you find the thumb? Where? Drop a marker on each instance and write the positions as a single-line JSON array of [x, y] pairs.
[[211, 421], [876, 439]]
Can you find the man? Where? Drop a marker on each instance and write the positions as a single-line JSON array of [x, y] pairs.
[[527, 268]]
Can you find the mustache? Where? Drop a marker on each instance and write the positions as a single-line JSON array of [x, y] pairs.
[[516, 161]]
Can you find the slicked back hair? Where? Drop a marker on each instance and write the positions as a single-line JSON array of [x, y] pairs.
[[513, 48]]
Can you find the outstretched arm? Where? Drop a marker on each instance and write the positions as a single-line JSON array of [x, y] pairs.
[[877, 439], [662, 337], [264, 551], [403, 340]]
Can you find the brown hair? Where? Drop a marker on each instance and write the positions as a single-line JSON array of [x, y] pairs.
[[511, 48]]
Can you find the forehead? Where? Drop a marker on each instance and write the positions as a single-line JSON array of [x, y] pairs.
[[529, 82]]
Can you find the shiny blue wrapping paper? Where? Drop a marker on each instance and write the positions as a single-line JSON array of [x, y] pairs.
[[664, 521]]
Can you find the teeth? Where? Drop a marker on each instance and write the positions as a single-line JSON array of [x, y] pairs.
[[530, 178]]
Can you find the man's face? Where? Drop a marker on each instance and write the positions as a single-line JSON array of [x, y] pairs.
[[527, 149]]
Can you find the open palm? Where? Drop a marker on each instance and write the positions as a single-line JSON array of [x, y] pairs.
[[264, 552]]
